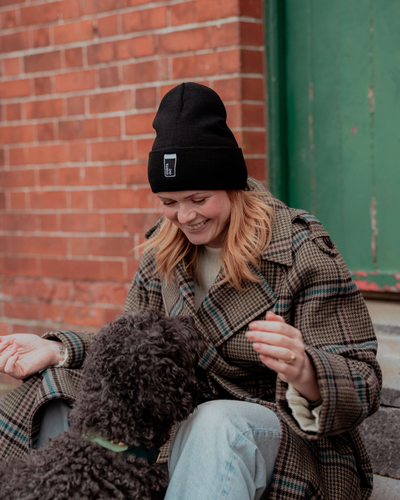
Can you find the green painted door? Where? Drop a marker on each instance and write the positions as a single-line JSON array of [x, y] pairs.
[[334, 87]]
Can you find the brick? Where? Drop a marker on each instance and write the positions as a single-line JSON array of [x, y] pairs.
[[45, 131], [225, 35], [80, 222], [111, 101], [17, 200], [184, 66], [251, 8], [53, 153], [21, 310], [78, 80], [208, 10], [48, 199], [9, 20], [95, 6], [111, 174], [228, 89], [80, 199], [77, 151], [145, 198], [144, 72], [48, 222], [109, 51], [3, 3], [18, 266], [14, 88], [17, 156], [254, 142], [112, 150], [39, 14], [234, 115], [19, 287], [2, 202], [112, 246], [77, 129], [75, 105], [184, 13], [110, 293], [16, 134], [41, 37], [14, 42], [16, 178], [143, 46], [107, 26], [70, 9], [73, 32], [133, 266], [44, 109], [257, 168], [146, 98], [136, 174], [2, 157], [79, 176], [114, 223], [20, 222], [252, 61], [48, 177], [11, 66], [140, 223], [251, 34], [184, 41], [253, 115], [143, 146], [81, 292], [230, 61], [46, 61], [73, 57], [42, 85], [109, 77], [139, 124], [78, 315], [36, 245], [114, 198], [145, 19], [253, 89], [82, 269], [13, 111], [110, 127]]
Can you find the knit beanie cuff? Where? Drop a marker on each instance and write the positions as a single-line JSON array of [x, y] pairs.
[[197, 168]]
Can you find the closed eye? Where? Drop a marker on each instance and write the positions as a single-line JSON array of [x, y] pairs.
[[199, 201], [168, 203]]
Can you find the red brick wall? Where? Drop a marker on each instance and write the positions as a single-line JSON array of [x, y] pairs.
[[80, 81]]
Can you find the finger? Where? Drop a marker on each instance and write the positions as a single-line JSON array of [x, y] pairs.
[[5, 356], [261, 328], [10, 367], [274, 352], [4, 343], [270, 316], [273, 339], [284, 370]]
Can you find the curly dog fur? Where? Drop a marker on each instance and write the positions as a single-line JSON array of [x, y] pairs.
[[138, 380]]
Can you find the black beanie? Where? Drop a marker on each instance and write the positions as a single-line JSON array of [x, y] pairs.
[[194, 148]]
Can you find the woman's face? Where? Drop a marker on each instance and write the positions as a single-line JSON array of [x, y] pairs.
[[202, 215]]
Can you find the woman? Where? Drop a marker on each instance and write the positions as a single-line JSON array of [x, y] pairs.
[[291, 368]]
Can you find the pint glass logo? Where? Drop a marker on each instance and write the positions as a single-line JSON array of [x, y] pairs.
[[170, 165]]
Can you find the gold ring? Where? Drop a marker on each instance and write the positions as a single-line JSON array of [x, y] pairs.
[[292, 359]]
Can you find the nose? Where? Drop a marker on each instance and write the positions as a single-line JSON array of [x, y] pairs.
[[186, 215]]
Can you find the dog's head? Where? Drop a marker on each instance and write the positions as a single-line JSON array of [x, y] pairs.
[[139, 378]]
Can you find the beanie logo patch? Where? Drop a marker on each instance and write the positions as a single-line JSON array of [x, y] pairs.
[[170, 165]]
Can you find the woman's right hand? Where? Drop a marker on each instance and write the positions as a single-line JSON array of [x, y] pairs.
[[24, 354]]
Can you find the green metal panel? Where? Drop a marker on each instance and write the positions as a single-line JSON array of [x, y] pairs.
[[341, 61]]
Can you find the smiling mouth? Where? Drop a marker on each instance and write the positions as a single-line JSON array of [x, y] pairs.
[[196, 226]]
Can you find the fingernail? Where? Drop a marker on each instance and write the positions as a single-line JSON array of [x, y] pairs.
[[249, 335]]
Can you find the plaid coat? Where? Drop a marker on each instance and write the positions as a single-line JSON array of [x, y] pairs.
[[303, 279]]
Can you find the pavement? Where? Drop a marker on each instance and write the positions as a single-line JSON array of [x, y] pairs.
[[381, 432]]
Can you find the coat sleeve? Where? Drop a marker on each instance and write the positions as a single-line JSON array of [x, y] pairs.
[[331, 314]]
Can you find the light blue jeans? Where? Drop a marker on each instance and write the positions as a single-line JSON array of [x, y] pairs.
[[224, 450]]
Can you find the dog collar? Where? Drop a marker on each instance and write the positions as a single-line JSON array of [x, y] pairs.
[[138, 451]]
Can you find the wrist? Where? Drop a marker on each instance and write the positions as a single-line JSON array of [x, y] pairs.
[[58, 352], [307, 384]]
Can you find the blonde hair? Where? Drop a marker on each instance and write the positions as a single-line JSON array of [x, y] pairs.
[[248, 235]]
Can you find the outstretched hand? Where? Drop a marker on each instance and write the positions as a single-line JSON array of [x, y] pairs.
[[282, 349], [24, 354]]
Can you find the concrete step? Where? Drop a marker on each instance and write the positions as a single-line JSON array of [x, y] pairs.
[[385, 488]]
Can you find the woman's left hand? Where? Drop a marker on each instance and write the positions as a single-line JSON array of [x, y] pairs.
[[282, 349]]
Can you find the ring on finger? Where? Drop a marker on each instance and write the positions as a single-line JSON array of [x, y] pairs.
[[292, 358]]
